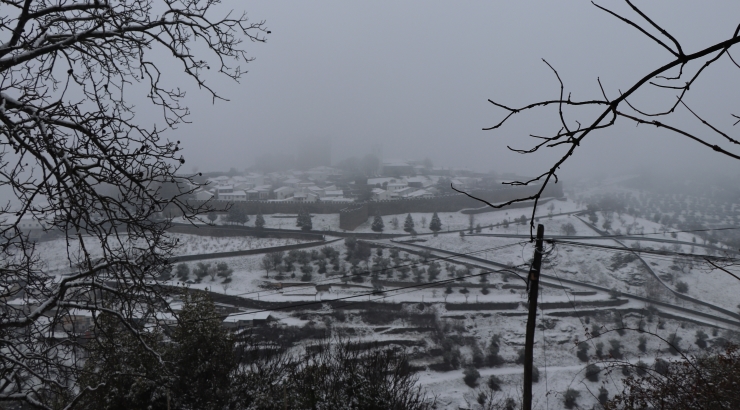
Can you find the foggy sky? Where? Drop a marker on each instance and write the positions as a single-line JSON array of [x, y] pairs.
[[415, 77]]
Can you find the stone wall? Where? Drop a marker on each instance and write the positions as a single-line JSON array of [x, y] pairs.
[[444, 203], [352, 217], [223, 231]]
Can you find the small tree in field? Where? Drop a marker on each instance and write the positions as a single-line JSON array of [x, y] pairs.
[[183, 271], [304, 220], [570, 398], [408, 224], [259, 221], [435, 225], [377, 225], [568, 229], [212, 216], [236, 215]]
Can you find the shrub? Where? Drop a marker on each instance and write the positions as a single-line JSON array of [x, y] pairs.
[[694, 382], [583, 351], [478, 358], [600, 350], [642, 345], [701, 339], [471, 376], [494, 359], [641, 368], [451, 358], [592, 372], [570, 397], [520, 356], [183, 271], [674, 344], [494, 383], [661, 366], [201, 270], [682, 287], [535, 374], [616, 349]]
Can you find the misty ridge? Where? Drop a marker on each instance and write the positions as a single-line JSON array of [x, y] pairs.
[[397, 206]]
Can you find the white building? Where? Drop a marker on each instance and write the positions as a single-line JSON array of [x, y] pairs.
[[284, 192], [420, 193], [233, 196], [379, 194], [396, 186], [402, 193], [335, 193], [222, 190], [203, 195], [246, 319], [305, 197]]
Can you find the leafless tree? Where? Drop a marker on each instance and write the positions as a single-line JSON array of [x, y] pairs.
[[580, 118], [83, 169]]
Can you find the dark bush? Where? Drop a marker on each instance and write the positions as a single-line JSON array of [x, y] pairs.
[[570, 397], [583, 351], [661, 366], [471, 376], [592, 372], [615, 350], [701, 339], [494, 383], [642, 345], [641, 368], [519, 356]]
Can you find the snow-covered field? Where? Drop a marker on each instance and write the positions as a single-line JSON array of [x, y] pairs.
[[560, 329], [57, 253]]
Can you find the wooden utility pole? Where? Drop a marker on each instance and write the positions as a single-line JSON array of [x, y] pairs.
[[534, 284]]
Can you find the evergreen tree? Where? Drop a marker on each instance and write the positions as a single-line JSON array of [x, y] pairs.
[[194, 370], [299, 221], [306, 224], [202, 356], [237, 216], [435, 225], [408, 225], [259, 223], [377, 224], [212, 216]]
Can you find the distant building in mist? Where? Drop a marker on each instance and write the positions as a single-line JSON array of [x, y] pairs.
[[313, 152]]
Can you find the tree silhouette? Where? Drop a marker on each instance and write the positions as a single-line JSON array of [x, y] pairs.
[[377, 225], [577, 119], [408, 224], [85, 168], [259, 221], [435, 225]]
